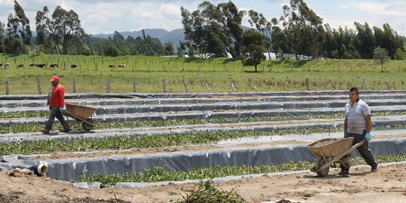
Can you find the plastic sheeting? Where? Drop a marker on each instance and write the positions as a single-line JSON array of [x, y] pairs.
[[158, 104], [258, 126], [72, 169]]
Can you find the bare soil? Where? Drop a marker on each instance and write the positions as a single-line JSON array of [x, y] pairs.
[[386, 185]]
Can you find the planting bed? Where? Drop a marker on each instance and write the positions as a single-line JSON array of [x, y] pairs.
[[239, 129]]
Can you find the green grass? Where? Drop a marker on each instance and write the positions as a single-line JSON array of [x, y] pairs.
[[218, 74]]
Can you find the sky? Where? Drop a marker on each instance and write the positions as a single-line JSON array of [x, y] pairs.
[[107, 16]]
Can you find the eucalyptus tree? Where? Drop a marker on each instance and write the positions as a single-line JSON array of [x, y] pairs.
[[2, 46], [45, 32], [302, 29], [25, 31], [168, 49], [253, 42], [119, 41], [214, 30], [109, 49], [63, 28], [393, 41], [261, 23], [68, 28], [132, 48], [330, 45], [18, 31], [364, 40]]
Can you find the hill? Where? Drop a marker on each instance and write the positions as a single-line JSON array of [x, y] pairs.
[[164, 36]]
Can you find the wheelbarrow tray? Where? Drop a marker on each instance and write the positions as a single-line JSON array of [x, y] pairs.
[[330, 147], [82, 113], [330, 151]]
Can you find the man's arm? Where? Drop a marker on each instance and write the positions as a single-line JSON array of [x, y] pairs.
[[61, 95], [368, 123], [345, 124]]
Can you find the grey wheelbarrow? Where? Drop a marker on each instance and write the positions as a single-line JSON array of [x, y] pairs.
[[329, 151]]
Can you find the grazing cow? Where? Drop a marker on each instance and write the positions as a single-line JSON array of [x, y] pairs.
[[122, 65], [5, 65], [20, 65], [73, 66], [112, 66], [32, 64], [40, 65], [54, 65]]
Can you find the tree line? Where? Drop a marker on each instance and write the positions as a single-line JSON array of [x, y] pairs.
[[210, 31], [60, 32], [216, 30]]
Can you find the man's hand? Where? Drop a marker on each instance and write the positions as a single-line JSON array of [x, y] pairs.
[[367, 137], [50, 107]]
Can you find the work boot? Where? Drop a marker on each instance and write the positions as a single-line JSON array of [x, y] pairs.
[[45, 131], [374, 169], [65, 130], [343, 172]]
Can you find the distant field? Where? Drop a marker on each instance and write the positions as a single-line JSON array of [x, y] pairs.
[[178, 75]]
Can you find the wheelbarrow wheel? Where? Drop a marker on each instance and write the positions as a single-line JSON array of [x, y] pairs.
[[86, 126], [321, 162]]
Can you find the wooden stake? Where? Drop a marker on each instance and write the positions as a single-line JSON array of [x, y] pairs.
[[163, 85], [232, 85], [39, 85], [108, 85], [185, 84], [208, 89], [134, 86], [74, 85], [7, 89]]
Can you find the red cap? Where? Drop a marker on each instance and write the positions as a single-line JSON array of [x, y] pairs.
[[54, 78]]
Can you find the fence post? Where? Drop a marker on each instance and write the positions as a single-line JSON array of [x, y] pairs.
[[365, 84], [39, 85], [134, 86], [74, 85], [232, 85], [307, 83], [7, 89], [163, 85], [208, 89], [185, 84], [108, 85]]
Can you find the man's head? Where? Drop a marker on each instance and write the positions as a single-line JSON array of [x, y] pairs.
[[54, 80], [354, 94]]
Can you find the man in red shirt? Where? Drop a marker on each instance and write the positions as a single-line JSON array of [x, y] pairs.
[[56, 102]]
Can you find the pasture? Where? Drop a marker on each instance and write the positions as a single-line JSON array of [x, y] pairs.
[[140, 74]]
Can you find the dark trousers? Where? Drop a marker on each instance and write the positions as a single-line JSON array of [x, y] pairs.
[[363, 150], [55, 112]]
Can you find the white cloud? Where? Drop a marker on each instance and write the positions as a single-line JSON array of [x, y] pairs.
[[107, 16]]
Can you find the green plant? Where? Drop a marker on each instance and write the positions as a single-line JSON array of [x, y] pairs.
[[205, 192], [160, 173]]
